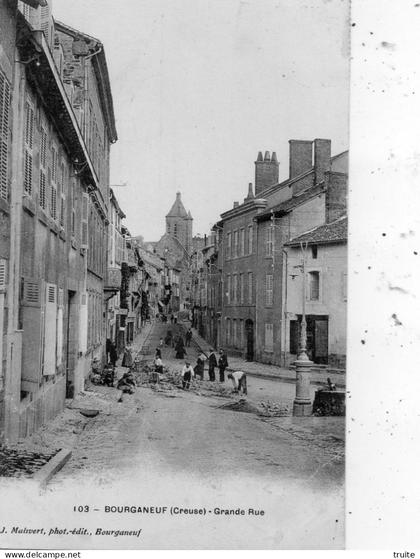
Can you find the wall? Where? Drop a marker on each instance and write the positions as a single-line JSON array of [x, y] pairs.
[[331, 262]]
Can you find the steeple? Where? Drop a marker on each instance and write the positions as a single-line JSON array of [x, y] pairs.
[[177, 209]]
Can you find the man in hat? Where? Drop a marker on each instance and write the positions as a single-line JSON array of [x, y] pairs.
[[212, 365], [223, 364]]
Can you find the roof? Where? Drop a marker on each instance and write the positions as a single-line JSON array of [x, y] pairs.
[[329, 233], [291, 203], [177, 209], [35, 3], [102, 75]]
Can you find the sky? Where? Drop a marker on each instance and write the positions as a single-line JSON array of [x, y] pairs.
[[200, 86]]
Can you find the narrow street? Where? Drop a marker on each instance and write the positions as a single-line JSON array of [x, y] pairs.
[[179, 447]]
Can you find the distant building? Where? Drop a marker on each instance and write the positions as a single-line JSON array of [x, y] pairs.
[[179, 224]]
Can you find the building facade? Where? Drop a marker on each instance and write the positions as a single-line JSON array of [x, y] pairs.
[[55, 200], [251, 318]]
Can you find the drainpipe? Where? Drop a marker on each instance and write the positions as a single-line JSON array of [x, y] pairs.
[[284, 303], [14, 335]]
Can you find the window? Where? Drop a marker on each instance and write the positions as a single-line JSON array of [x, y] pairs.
[[250, 286], [53, 186], [228, 331], [269, 290], [235, 333], [314, 250], [268, 338], [228, 293], [235, 243], [314, 286], [229, 245], [62, 195], [241, 288], [29, 138], [242, 246], [43, 170], [4, 136], [235, 288], [250, 238], [269, 241]]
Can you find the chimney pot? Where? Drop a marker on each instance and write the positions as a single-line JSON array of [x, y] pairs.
[[274, 157], [267, 156], [260, 157]]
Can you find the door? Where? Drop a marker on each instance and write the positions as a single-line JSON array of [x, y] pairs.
[[249, 328], [71, 343], [321, 342]]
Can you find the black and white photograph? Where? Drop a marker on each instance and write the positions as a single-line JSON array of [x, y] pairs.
[[174, 194]]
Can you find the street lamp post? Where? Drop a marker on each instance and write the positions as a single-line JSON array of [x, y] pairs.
[[302, 405]]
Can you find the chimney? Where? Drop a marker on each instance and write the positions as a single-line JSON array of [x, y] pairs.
[[266, 171], [300, 157], [322, 156], [235, 205], [250, 193]]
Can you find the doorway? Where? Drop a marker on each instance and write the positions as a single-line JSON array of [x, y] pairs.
[[316, 337], [249, 329], [72, 332]]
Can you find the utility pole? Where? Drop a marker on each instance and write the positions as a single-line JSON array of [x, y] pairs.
[[302, 405]]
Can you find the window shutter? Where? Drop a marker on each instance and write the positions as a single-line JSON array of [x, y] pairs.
[[32, 341], [29, 131], [3, 274], [85, 209], [60, 318], [83, 323], [4, 135], [50, 330]]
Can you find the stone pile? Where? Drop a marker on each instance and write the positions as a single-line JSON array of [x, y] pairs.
[[21, 463]]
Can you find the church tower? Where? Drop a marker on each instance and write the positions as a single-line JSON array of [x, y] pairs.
[[179, 223]]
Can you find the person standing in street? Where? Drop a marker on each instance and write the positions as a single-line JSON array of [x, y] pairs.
[[111, 352], [188, 338], [127, 358], [199, 368], [238, 379], [223, 364], [187, 375], [212, 365]]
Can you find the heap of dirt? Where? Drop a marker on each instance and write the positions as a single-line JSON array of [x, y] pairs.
[[264, 409], [241, 405]]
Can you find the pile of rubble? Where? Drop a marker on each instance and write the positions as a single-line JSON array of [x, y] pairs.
[[22, 463], [264, 409]]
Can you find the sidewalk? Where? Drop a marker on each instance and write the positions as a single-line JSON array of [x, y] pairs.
[[262, 370]]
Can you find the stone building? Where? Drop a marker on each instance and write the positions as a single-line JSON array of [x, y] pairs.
[[251, 256], [179, 224], [55, 198], [324, 249]]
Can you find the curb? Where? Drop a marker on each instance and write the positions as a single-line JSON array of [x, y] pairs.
[[285, 379], [270, 376], [43, 476]]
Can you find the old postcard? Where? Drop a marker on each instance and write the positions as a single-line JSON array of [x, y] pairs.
[[173, 273]]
